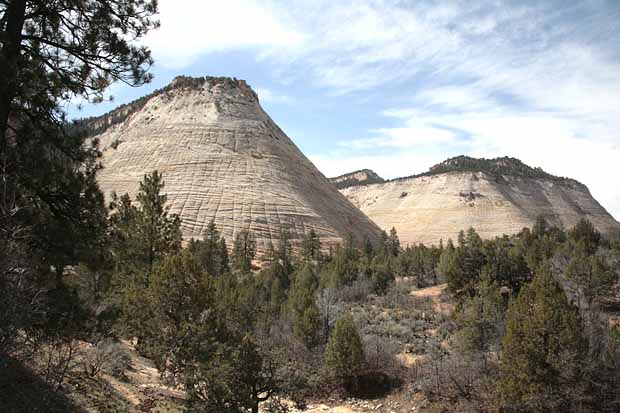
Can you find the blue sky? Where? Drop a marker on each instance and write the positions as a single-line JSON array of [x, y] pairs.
[[397, 86]]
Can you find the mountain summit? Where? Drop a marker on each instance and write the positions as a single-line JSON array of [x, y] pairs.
[[361, 177], [224, 159], [495, 196]]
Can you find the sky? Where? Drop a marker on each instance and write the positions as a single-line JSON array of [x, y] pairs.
[[398, 86]]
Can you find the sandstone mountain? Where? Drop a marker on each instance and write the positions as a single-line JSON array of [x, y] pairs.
[[222, 158], [495, 196], [361, 177]]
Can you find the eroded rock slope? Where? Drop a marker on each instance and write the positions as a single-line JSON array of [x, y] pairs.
[[222, 158], [498, 196]]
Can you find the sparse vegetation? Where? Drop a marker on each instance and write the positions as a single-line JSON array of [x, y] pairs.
[[496, 167]]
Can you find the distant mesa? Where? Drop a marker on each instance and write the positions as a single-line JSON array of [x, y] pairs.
[[495, 196], [222, 158], [361, 177]]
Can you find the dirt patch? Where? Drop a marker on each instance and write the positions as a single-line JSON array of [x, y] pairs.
[[438, 296], [433, 292], [410, 360], [337, 409]]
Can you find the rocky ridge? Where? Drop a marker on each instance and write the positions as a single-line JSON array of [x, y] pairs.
[[495, 196], [361, 177], [224, 159]]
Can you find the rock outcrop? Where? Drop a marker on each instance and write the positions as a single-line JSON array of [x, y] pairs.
[[361, 177], [496, 197], [222, 159]]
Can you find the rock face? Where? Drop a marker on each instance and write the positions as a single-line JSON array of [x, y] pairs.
[[361, 177], [496, 197], [222, 159]]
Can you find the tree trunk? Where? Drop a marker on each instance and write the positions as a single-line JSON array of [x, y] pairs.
[[255, 408], [9, 59]]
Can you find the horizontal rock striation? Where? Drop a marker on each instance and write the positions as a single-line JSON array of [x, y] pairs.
[[435, 206], [223, 158]]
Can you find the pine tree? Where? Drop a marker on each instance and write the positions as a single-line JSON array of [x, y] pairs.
[[595, 274], [381, 274], [448, 267], [393, 243], [142, 235], [303, 309], [344, 355], [585, 233], [343, 267], [49, 53], [473, 256], [543, 349], [382, 248], [211, 251], [244, 251], [54, 50], [159, 232], [461, 266], [311, 247], [505, 264], [223, 260], [179, 296], [481, 319], [284, 253]]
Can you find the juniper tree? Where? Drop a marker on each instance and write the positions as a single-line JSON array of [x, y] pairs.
[[393, 243], [585, 233], [343, 268], [344, 355], [481, 319], [543, 349], [303, 310]]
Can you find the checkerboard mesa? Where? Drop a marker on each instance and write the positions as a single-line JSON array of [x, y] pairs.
[[222, 158]]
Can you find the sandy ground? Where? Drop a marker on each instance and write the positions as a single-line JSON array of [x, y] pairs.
[[439, 297]]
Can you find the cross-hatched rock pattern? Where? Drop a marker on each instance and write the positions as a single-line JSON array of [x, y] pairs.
[[224, 159], [427, 209]]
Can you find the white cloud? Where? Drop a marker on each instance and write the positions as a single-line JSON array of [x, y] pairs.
[[192, 28], [267, 95]]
